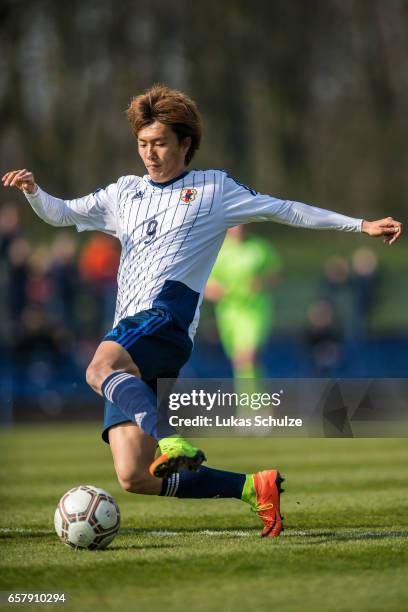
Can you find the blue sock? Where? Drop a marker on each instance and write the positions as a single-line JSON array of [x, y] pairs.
[[206, 482], [138, 402]]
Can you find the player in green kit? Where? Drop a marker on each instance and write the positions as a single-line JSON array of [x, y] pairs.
[[240, 284]]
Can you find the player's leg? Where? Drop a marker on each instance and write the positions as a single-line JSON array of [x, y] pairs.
[[242, 332], [138, 349], [232, 324], [114, 374], [133, 451], [109, 357], [244, 363], [133, 447], [261, 491], [250, 334]]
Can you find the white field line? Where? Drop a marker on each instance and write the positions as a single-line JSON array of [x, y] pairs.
[[25, 530], [205, 532], [228, 532], [152, 532]]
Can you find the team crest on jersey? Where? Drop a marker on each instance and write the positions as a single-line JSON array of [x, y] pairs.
[[188, 194]]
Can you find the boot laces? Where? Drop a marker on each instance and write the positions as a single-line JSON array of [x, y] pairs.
[[262, 512]]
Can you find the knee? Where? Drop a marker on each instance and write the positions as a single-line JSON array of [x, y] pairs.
[[96, 374], [130, 485], [133, 481]]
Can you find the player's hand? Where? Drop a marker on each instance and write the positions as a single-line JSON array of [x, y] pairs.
[[388, 227], [214, 291], [22, 179]]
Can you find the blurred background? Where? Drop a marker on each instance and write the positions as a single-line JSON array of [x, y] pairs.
[[303, 100]]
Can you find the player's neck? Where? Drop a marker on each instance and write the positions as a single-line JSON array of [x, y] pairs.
[[169, 176], [162, 182]]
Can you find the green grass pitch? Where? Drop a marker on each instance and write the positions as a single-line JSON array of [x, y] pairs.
[[344, 547]]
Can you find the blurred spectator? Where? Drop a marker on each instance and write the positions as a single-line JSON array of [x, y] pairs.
[[335, 285], [98, 265], [64, 277], [39, 287], [365, 281], [10, 226], [18, 254], [38, 340], [323, 338], [44, 294], [14, 253], [347, 297], [43, 353]]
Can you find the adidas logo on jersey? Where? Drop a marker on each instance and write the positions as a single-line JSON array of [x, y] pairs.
[[138, 194]]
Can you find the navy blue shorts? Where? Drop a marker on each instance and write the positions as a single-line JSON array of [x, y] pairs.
[[158, 347]]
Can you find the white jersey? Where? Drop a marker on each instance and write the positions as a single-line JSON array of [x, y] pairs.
[[171, 232]]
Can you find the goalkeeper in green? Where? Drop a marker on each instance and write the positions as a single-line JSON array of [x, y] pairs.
[[240, 284]]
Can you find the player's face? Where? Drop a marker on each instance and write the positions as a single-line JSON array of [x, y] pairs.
[[161, 152]]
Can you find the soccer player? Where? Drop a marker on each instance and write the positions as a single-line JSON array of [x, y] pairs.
[[240, 285], [171, 224]]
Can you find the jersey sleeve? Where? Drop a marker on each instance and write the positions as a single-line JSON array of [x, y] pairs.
[[241, 204], [96, 211]]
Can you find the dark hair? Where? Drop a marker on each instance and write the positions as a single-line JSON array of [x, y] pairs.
[[170, 107]]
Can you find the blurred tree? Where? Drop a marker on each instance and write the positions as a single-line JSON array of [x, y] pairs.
[[302, 99]]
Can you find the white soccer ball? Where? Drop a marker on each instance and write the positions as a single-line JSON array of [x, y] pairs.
[[87, 517]]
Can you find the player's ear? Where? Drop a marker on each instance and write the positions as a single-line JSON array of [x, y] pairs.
[[186, 143]]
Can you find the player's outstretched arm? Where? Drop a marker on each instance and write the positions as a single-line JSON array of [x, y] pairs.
[[22, 179], [244, 205], [388, 227], [51, 210], [94, 211]]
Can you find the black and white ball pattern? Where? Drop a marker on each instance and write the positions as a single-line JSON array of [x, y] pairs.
[[87, 517]]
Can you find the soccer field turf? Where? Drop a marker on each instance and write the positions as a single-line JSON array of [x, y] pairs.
[[344, 547]]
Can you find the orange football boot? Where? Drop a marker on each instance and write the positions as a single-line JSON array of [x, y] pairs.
[[267, 486]]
